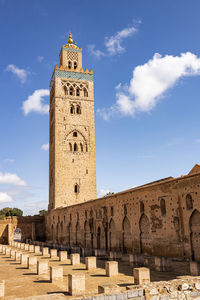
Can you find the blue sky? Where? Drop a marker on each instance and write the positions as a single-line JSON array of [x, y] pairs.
[[146, 61]]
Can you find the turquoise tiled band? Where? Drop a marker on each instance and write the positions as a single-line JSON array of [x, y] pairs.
[[71, 49], [74, 75]]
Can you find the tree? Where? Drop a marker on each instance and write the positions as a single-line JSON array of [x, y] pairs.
[[43, 212], [9, 212]]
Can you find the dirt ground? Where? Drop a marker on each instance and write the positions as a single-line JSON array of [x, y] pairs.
[[22, 282]]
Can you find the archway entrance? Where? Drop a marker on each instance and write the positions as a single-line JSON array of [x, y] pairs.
[[99, 238], [145, 243], [195, 234], [126, 236]]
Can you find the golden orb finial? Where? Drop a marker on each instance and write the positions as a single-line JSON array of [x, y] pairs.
[[70, 41]]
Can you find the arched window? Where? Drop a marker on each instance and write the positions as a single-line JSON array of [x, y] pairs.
[[70, 147], [77, 92], [69, 64], [75, 147], [163, 207], [75, 65], [74, 134], [78, 110], [85, 93], [76, 188], [72, 109], [189, 202], [81, 145], [71, 91], [65, 90], [141, 207]]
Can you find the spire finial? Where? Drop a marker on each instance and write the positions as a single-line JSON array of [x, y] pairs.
[[70, 41]]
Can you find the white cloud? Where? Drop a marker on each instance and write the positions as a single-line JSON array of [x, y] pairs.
[[150, 81], [95, 52], [197, 140], [9, 160], [113, 43], [20, 73], [40, 58], [45, 147], [9, 178], [41, 204], [34, 102], [4, 198], [103, 192]]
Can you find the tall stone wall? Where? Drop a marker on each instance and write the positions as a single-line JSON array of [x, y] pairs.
[[161, 219], [31, 227]]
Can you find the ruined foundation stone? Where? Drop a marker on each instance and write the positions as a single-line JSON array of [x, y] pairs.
[[108, 289], [42, 267], [31, 248], [56, 273], [45, 251], [36, 249], [111, 268], [90, 262], [2, 288], [54, 253], [63, 255], [24, 259], [76, 284], [141, 275], [75, 259], [32, 262]]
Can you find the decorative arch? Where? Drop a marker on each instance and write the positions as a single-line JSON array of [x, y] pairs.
[[87, 235], [71, 91], [69, 64], [112, 235], [126, 235], [194, 224], [99, 237], [75, 65], [75, 147], [72, 109], [85, 91], [145, 242], [189, 202], [78, 233]]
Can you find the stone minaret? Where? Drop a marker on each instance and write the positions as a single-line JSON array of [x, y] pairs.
[[72, 163]]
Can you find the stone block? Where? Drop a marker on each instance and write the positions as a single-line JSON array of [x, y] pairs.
[[26, 247], [56, 273], [108, 289], [45, 251], [42, 267], [19, 245], [16, 243], [22, 246], [24, 259], [76, 284], [91, 263], [36, 249], [4, 250], [31, 248], [54, 253], [131, 258], [75, 259], [63, 255], [17, 255], [141, 275], [32, 262], [194, 268], [12, 253], [1, 248], [2, 288], [111, 268], [8, 252]]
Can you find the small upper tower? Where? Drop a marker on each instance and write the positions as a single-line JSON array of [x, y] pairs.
[[72, 163]]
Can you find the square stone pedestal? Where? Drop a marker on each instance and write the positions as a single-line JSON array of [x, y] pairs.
[[24, 259], [111, 268], [91, 262], [36, 249], [75, 259], [42, 267], [56, 273], [2, 288], [31, 248], [141, 275], [32, 262], [76, 284], [62, 255], [45, 251], [54, 253]]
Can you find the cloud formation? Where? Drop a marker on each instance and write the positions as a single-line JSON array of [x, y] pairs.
[[34, 103], [4, 198], [9, 178], [103, 192], [45, 147], [113, 43], [149, 83], [20, 73]]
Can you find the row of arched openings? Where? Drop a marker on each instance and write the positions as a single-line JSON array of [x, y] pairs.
[[70, 65], [75, 109], [77, 147], [75, 91]]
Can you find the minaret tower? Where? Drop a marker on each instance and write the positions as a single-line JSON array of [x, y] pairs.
[[72, 163]]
